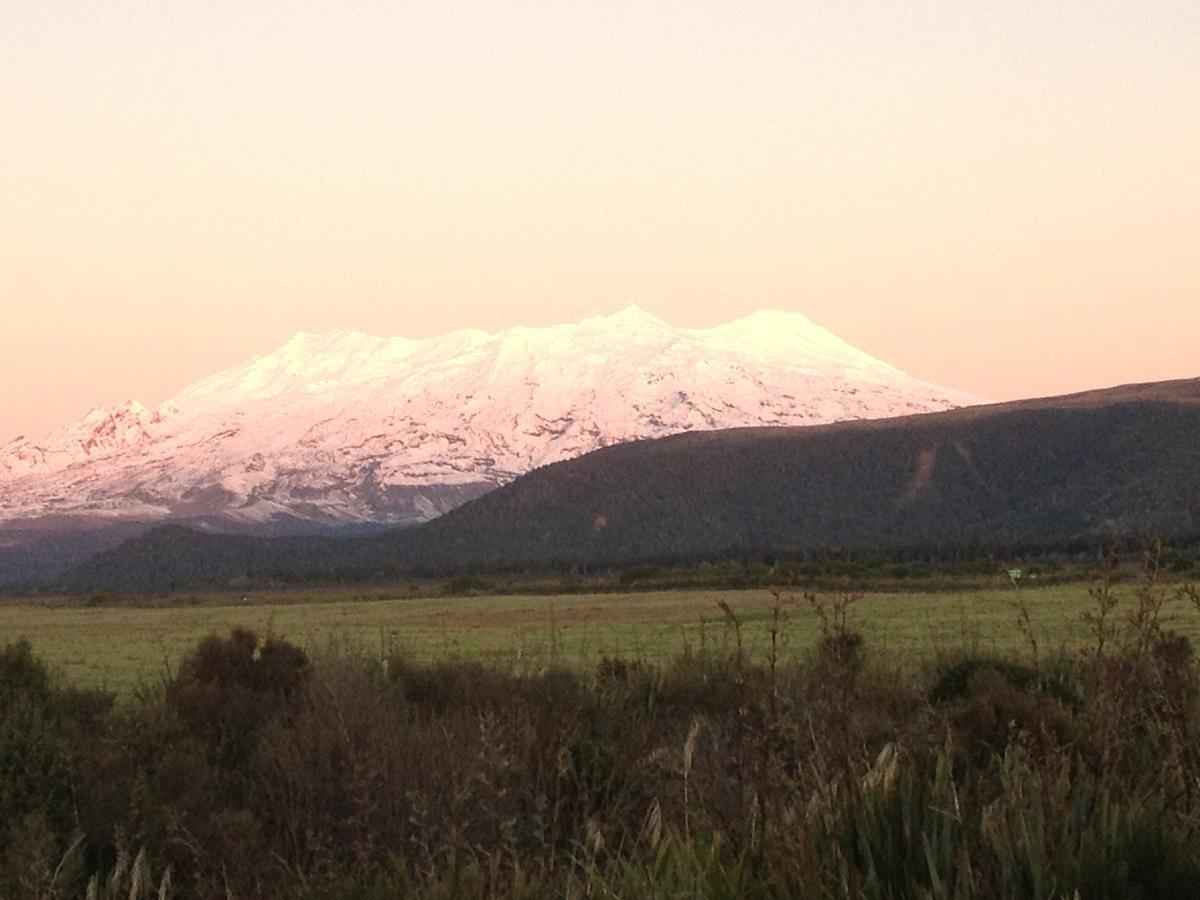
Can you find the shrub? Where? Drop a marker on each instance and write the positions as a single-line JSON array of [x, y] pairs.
[[257, 772], [227, 688]]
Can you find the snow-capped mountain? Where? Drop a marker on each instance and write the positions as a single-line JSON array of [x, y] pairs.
[[347, 427]]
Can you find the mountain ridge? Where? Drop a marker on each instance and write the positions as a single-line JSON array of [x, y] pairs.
[[346, 427], [1050, 472]]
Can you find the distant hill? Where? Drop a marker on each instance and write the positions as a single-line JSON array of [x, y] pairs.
[[1124, 461], [38, 551], [36, 554]]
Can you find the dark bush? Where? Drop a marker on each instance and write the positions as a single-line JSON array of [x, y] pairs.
[[22, 676], [43, 731], [228, 688], [954, 680]]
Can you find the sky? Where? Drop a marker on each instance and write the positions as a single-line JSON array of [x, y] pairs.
[[1003, 198]]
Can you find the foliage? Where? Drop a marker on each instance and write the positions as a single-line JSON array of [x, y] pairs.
[[259, 770]]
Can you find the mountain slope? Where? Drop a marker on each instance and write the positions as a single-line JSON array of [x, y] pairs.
[[1122, 462], [1056, 470], [346, 427]]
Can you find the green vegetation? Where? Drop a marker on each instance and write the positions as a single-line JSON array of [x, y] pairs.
[[106, 643], [1003, 769]]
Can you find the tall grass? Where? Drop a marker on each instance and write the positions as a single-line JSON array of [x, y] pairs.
[[257, 771]]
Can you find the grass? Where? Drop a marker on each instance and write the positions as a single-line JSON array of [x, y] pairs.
[[260, 770], [119, 647]]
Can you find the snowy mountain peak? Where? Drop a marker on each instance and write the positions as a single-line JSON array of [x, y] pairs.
[[790, 335], [349, 427], [633, 316]]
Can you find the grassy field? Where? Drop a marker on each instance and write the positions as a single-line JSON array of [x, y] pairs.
[[119, 647]]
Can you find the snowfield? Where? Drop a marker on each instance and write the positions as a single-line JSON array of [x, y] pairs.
[[348, 427]]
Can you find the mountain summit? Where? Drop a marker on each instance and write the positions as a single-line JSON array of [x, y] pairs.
[[348, 427]]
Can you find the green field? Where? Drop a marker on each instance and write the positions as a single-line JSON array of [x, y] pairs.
[[118, 647]]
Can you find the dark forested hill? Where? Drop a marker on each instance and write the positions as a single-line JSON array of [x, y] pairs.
[[1124, 461]]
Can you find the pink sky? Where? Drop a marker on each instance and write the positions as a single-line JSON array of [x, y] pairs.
[[998, 199]]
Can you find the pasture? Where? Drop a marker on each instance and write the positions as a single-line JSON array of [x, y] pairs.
[[120, 647]]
